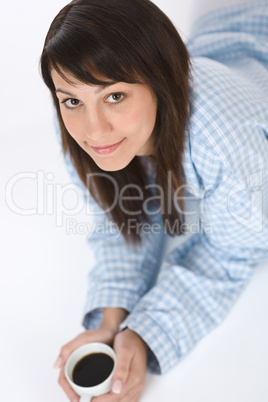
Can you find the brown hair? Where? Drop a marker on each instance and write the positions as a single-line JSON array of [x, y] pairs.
[[123, 40]]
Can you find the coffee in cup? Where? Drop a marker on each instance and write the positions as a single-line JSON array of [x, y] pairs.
[[89, 370], [92, 369]]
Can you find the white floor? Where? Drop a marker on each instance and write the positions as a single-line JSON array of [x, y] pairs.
[[43, 268]]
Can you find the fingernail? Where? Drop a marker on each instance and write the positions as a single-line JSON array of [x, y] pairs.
[[117, 386], [58, 362]]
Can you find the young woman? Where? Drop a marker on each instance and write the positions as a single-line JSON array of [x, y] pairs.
[[168, 140]]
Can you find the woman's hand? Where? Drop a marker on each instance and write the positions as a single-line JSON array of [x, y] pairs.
[[129, 375], [111, 319], [103, 334]]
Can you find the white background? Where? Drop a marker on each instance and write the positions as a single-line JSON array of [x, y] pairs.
[[43, 268]]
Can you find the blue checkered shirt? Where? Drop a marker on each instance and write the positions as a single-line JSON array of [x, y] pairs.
[[175, 299]]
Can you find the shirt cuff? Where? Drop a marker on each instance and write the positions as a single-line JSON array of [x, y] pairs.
[[97, 301], [161, 356]]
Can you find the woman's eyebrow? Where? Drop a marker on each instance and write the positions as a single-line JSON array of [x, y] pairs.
[[104, 86], [99, 89], [65, 92]]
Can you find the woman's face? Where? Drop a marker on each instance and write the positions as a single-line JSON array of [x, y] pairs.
[[112, 124]]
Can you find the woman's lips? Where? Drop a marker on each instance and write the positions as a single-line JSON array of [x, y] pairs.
[[107, 149]]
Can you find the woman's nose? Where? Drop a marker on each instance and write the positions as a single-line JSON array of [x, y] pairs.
[[96, 138], [97, 126]]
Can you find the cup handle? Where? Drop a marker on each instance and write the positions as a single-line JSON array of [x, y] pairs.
[[85, 398]]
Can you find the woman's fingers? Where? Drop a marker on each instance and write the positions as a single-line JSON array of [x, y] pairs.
[[121, 373], [67, 388], [129, 375], [103, 335], [131, 353], [124, 357], [69, 347], [127, 395], [100, 335], [131, 396]]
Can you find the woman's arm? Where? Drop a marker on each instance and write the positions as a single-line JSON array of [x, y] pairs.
[[201, 279], [196, 288], [112, 318]]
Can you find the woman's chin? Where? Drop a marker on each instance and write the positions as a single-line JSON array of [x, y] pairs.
[[112, 165]]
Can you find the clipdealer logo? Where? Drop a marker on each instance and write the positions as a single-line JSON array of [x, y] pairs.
[[243, 202]]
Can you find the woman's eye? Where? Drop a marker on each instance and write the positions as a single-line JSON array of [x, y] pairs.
[[116, 97], [71, 103]]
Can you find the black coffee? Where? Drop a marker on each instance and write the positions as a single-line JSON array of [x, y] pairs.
[[92, 369]]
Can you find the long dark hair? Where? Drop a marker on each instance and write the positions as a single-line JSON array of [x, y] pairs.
[[135, 42]]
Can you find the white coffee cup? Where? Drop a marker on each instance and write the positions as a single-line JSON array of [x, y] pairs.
[[87, 393]]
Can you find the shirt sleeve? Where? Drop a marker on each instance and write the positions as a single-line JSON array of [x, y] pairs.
[[122, 274], [200, 279]]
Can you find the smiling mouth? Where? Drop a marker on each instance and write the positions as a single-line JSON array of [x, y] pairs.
[[107, 149]]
